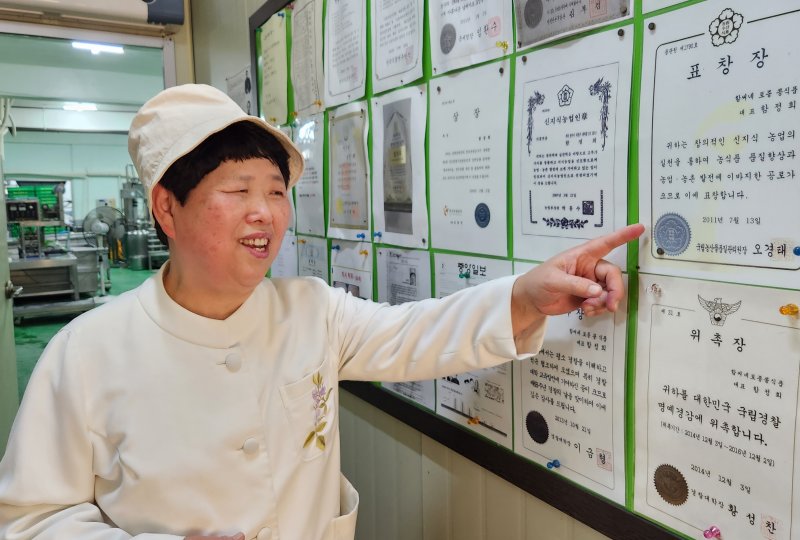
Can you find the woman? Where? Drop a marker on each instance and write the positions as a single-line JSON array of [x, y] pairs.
[[204, 402]]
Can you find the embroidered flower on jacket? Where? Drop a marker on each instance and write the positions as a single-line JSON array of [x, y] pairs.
[[320, 394], [725, 28]]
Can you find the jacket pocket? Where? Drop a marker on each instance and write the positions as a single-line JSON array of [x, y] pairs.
[[311, 411], [344, 526]]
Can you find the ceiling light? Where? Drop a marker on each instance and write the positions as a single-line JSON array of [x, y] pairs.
[[74, 106], [97, 48]]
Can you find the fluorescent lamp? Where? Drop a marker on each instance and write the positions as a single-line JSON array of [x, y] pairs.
[[74, 106], [97, 48]]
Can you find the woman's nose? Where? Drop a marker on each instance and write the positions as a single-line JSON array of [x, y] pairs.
[[261, 209]]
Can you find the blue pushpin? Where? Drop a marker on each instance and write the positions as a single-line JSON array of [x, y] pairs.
[[377, 234], [361, 236], [336, 247], [555, 464], [796, 250]]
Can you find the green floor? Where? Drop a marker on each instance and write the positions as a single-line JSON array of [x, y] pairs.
[[31, 336]]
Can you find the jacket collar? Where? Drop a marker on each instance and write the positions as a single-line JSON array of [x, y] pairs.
[[188, 326]]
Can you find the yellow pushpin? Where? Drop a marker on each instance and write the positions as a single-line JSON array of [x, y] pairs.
[[294, 114], [302, 241], [318, 103], [790, 309], [364, 252], [272, 119], [474, 421], [503, 45]]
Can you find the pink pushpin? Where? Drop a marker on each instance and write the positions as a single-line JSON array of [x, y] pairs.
[[712, 532]]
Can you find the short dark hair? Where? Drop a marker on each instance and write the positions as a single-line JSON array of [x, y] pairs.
[[237, 142]]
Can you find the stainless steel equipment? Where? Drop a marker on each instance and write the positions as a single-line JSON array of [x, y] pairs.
[[88, 268], [32, 207], [157, 253], [50, 278], [136, 249], [46, 276], [134, 203], [143, 250]]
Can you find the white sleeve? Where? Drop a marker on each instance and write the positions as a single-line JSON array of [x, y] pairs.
[[46, 475], [470, 329]]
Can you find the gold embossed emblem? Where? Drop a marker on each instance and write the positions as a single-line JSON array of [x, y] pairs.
[[671, 485]]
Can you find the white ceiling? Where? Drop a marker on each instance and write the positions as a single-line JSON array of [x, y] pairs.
[[41, 74], [52, 52]]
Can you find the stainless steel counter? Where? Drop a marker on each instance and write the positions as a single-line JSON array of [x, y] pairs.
[[46, 276]]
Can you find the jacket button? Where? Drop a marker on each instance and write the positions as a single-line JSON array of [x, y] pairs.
[[250, 446], [233, 362], [264, 534]]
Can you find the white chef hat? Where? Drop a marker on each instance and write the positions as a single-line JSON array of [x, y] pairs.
[[178, 119]]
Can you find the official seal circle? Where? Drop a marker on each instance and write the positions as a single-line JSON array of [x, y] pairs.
[[482, 215], [672, 234], [671, 485]]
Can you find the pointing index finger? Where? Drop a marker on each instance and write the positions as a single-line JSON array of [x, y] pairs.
[[603, 245]]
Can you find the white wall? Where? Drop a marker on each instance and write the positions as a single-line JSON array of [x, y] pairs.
[[413, 488], [221, 44], [221, 40], [184, 55]]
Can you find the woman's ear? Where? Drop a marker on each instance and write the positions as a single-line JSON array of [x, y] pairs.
[[163, 201]]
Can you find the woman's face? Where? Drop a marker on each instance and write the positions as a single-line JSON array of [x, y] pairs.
[[231, 226]]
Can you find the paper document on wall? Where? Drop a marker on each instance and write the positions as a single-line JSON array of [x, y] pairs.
[[307, 78], [399, 200], [719, 174], [539, 21], [569, 400], [716, 408], [396, 43], [404, 275], [480, 399], [240, 90], [348, 202], [285, 264], [351, 267], [274, 69], [312, 257], [308, 136], [345, 51], [570, 165], [468, 160], [467, 33], [421, 392]]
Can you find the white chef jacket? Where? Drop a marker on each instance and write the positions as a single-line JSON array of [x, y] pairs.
[[145, 420]]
